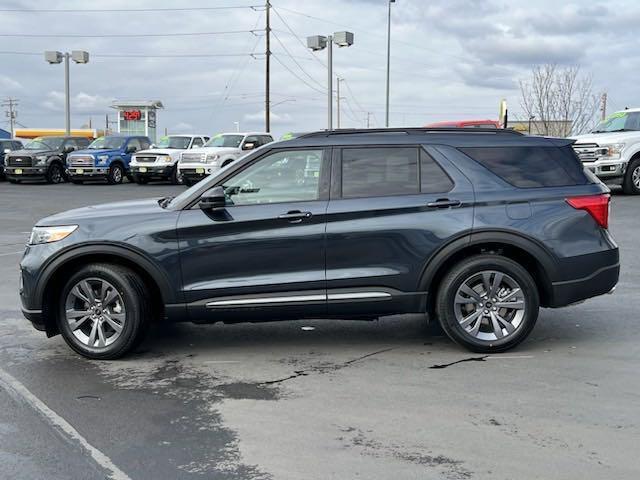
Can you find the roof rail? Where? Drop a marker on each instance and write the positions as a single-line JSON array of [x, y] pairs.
[[409, 131]]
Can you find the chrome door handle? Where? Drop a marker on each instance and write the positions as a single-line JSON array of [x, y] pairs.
[[295, 216], [444, 203]]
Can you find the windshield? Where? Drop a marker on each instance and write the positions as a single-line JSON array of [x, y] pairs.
[[44, 143], [232, 141], [174, 142], [107, 143], [619, 122]]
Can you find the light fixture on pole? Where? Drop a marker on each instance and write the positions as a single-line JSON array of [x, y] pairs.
[[386, 117], [78, 56], [319, 42]]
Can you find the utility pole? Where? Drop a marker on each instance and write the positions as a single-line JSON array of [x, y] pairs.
[[386, 117], [267, 99], [330, 82], [338, 99], [603, 105], [11, 104], [368, 119]]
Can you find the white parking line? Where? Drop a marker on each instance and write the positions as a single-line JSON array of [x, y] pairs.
[[18, 391]]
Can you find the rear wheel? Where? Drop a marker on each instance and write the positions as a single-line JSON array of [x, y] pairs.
[[115, 174], [103, 311], [488, 303], [54, 173], [631, 183]]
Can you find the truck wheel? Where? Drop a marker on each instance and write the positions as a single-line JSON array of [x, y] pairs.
[[54, 173], [631, 183], [103, 311], [487, 303], [188, 182], [141, 180], [175, 178], [115, 174]]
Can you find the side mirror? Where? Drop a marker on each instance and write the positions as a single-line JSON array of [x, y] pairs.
[[153, 145], [213, 199], [130, 149], [248, 146], [69, 149]]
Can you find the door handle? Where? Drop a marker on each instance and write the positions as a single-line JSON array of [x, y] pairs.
[[295, 216], [444, 203]]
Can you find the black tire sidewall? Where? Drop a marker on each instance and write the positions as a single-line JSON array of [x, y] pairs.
[[124, 281], [51, 170], [111, 177], [462, 271], [628, 185]]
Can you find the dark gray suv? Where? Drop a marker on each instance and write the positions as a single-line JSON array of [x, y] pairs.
[[477, 228]]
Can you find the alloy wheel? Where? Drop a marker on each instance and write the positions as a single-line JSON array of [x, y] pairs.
[[635, 177], [95, 312], [490, 305]]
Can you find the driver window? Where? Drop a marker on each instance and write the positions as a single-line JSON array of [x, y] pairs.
[[134, 142], [287, 176]]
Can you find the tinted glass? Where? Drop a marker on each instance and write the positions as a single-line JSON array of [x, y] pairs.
[[432, 177], [528, 167], [292, 176], [376, 172]]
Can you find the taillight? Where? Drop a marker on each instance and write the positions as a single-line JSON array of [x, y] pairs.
[[596, 205]]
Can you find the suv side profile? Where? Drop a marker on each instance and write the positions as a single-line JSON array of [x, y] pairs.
[[477, 228], [42, 158], [106, 158]]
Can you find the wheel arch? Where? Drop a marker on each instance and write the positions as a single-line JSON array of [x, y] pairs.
[[536, 258], [52, 280]]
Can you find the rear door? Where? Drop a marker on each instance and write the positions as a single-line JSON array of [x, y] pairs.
[[391, 209]]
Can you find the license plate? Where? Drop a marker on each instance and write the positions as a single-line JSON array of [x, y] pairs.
[[199, 170], [79, 170], [18, 171], [143, 169]]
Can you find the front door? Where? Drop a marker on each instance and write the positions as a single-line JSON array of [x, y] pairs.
[[264, 255]]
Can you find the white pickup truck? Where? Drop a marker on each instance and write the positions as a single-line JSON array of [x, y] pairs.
[[161, 161], [612, 150], [217, 153]]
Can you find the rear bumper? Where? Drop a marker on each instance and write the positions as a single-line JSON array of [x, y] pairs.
[[604, 271]]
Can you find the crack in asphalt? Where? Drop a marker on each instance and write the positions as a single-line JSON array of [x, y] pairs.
[[470, 359], [324, 368]]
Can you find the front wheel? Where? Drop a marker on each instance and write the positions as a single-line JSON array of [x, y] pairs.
[[115, 174], [103, 311], [631, 182], [141, 180], [54, 174], [488, 303]]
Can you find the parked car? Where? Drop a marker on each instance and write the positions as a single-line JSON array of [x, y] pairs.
[[478, 228], [217, 153], [42, 158], [612, 150], [466, 124], [6, 147], [106, 158], [160, 162]]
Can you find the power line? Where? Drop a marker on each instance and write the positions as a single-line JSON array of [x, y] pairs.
[[313, 87], [145, 55], [109, 10], [295, 61], [122, 35]]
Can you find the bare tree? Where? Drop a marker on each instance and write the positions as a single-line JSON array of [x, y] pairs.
[[560, 100]]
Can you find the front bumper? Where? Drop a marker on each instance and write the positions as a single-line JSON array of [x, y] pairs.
[[26, 172], [83, 172], [607, 168], [196, 173], [152, 171]]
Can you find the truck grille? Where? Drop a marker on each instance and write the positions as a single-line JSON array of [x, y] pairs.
[[587, 152], [19, 161], [193, 157], [81, 161], [146, 159]]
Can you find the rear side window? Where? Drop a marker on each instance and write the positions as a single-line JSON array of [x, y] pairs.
[[377, 172], [432, 177], [530, 167]]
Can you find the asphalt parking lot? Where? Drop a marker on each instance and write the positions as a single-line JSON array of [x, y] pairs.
[[343, 399]]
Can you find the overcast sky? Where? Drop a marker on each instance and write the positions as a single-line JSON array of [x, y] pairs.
[[451, 59]]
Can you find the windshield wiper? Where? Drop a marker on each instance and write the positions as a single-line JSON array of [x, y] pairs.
[[622, 130]]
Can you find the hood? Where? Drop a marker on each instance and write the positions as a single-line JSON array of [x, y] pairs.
[[174, 152], [213, 150], [102, 151], [605, 138], [129, 208], [28, 153]]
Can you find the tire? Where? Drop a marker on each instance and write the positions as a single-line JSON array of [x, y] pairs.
[[482, 316], [54, 174], [188, 182], [175, 178], [141, 180], [226, 162], [93, 336], [631, 182], [115, 174]]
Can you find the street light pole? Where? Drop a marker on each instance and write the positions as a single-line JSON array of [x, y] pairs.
[[386, 118], [67, 101], [330, 82]]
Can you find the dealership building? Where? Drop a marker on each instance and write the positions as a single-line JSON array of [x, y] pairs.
[[138, 117]]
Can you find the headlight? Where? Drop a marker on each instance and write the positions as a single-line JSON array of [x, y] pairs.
[[612, 151], [103, 159], [165, 158], [41, 159], [50, 234], [212, 158]]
